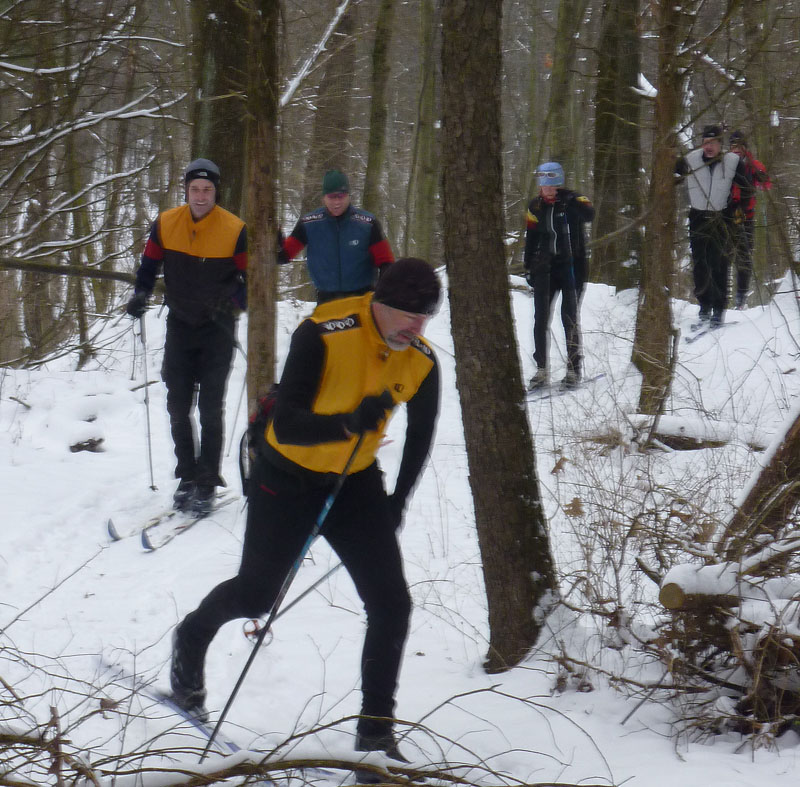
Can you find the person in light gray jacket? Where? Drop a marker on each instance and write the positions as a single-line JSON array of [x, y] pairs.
[[710, 175]]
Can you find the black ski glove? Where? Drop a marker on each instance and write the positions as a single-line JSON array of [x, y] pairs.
[[137, 304], [396, 506], [369, 413]]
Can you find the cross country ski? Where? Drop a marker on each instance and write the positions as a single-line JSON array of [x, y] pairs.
[[162, 528], [549, 391]]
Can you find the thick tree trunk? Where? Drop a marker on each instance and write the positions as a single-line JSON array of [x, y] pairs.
[[262, 225], [376, 145], [220, 66], [761, 94], [421, 215], [561, 131], [652, 343], [517, 564], [617, 158]]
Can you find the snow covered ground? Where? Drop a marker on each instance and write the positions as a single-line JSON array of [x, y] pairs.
[[68, 596]]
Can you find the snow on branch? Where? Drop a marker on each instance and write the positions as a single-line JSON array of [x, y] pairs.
[[294, 83]]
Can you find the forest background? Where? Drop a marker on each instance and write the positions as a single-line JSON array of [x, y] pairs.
[[439, 112]]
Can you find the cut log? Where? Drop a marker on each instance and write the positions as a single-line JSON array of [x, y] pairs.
[[673, 597]]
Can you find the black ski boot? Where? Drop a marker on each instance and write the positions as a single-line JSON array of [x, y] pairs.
[[186, 677], [184, 495], [203, 501], [383, 742]]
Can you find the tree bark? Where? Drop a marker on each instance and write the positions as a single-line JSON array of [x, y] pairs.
[[652, 343], [617, 158], [517, 564], [262, 105], [220, 66], [561, 133], [376, 145], [421, 213]]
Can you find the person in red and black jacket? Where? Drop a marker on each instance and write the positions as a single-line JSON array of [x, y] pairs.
[[745, 216], [345, 246], [202, 250]]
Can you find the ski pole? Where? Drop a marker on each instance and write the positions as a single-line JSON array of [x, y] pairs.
[[147, 403], [315, 530], [310, 589], [236, 414]]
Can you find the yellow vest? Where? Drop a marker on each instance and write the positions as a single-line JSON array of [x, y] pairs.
[[213, 237], [358, 363]]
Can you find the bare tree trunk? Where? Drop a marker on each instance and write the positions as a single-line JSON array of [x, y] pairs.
[[39, 293], [332, 121], [617, 159], [220, 60], [561, 133], [262, 146], [761, 96], [421, 217], [10, 334], [332, 118], [651, 347], [517, 564], [82, 228], [376, 146]]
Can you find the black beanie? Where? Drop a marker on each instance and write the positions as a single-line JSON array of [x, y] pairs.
[[712, 132], [202, 168], [411, 285]]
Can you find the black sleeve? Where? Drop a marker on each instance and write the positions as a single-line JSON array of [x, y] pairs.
[[150, 265], [295, 423], [585, 209], [421, 410], [742, 179], [532, 238]]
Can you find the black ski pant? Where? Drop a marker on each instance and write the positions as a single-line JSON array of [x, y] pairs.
[[281, 513], [710, 240], [745, 242], [548, 278], [198, 357]]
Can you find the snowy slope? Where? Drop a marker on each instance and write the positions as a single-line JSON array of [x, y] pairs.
[[68, 595]]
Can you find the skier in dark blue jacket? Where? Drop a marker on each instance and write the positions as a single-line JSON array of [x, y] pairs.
[[345, 246]]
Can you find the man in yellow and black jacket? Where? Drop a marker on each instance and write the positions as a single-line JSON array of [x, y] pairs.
[[348, 366], [202, 249]]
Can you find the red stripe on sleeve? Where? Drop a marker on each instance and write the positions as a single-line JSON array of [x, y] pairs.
[[292, 246], [381, 253], [240, 260], [153, 250]]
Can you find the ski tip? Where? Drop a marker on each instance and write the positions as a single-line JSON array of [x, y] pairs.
[[113, 533]]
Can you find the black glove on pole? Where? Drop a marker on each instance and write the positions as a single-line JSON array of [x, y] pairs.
[[369, 413], [137, 305], [326, 507]]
